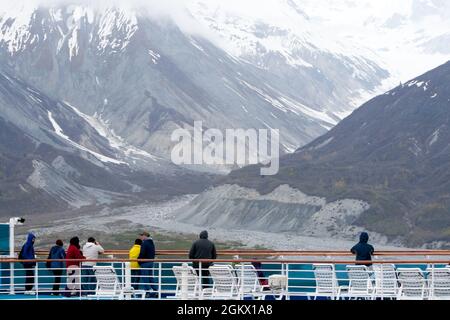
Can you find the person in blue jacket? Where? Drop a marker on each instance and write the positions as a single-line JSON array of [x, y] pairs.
[[57, 252], [27, 253], [146, 268], [363, 250]]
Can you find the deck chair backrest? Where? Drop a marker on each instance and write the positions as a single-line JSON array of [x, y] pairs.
[[193, 283], [439, 282], [225, 284], [359, 280], [247, 278], [326, 281], [107, 281], [385, 279], [412, 282]]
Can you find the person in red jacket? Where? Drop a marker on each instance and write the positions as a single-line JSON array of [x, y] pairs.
[[74, 255], [73, 260]]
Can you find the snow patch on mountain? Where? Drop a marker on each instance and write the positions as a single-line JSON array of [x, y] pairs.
[[113, 139], [58, 129], [59, 132], [116, 22], [434, 137]]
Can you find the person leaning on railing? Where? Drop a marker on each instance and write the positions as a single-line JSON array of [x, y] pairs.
[[27, 253], [91, 250], [134, 265], [363, 250], [146, 272], [73, 261], [203, 249], [57, 252]]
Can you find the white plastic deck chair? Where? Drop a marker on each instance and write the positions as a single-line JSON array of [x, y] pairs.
[[109, 286], [412, 284], [248, 282], [326, 282], [192, 280], [439, 283], [386, 282], [360, 283], [225, 283]]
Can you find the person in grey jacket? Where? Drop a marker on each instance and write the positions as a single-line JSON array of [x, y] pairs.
[[203, 249]]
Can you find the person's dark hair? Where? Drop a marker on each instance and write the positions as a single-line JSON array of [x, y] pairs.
[[75, 241], [59, 243], [138, 241], [203, 234], [91, 239]]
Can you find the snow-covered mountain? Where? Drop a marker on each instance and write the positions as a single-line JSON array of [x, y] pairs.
[[405, 36], [143, 74], [145, 69], [124, 76]]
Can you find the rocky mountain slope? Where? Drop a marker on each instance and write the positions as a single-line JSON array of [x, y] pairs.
[[53, 157], [393, 153]]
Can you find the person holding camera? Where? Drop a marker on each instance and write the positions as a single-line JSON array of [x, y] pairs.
[[91, 250]]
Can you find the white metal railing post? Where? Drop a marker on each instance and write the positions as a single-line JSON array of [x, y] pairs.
[[80, 279], [200, 272], [11, 278], [122, 267], [431, 286], [242, 281], [159, 279], [184, 281], [36, 279], [127, 274], [287, 281], [127, 280], [11, 255]]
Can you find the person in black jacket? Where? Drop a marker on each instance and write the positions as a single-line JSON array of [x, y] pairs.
[[363, 250], [203, 249], [147, 252]]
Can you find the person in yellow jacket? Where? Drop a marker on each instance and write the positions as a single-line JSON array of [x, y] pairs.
[[135, 272]]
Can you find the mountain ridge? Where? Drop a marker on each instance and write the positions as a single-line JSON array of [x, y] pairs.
[[392, 153]]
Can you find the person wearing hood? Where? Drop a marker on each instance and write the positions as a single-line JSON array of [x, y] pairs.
[[91, 250], [203, 249], [73, 260], [27, 253], [57, 252], [363, 250]]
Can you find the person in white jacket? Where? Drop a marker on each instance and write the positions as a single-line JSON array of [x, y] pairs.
[[91, 250]]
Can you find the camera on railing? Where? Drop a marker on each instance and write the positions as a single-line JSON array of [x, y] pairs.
[[17, 220]]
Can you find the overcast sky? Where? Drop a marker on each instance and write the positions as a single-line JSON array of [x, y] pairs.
[[393, 29]]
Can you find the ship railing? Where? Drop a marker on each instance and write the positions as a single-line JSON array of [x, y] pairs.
[[287, 275]]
